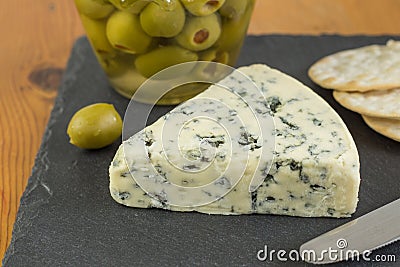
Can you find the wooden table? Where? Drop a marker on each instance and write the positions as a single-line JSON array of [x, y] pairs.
[[36, 40]]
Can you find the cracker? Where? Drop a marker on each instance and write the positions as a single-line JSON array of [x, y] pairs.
[[373, 67], [387, 127], [382, 103]]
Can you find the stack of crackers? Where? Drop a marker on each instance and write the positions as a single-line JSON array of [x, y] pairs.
[[365, 80]]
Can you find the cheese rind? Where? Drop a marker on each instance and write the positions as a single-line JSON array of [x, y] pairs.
[[315, 167]]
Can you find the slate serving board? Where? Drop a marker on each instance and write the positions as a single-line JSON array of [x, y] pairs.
[[68, 218]]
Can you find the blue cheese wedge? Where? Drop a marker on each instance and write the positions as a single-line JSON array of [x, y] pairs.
[[313, 170]]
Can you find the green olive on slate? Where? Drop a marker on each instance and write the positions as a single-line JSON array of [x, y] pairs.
[[95, 9], [96, 32], [200, 33], [202, 7], [95, 126], [233, 9], [125, 33], [159, 22], [132, 6], [154, 61]]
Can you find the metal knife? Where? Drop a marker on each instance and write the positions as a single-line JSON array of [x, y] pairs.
[[355, 239]]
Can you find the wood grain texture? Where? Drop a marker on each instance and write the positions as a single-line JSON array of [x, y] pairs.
[[326, 16], [37, 39]]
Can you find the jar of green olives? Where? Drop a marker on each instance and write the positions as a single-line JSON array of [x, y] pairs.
[[134, 39]]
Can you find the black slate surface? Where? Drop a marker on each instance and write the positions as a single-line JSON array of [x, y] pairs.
[[68, 218]]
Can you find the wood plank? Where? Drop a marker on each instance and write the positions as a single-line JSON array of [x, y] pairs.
[[322, 16]]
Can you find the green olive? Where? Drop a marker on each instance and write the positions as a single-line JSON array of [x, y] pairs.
[[156, 60], [202, 7], [232, 34], [94, 9], [158, 22], [234, 31], [116, 65], [233, 9], [208, 55], [222, 57], [214, 55], [131, 6], [96, 32], [234, 53], [127, 82], [125, 33], [95, 126], [182, 93], [200, 33]]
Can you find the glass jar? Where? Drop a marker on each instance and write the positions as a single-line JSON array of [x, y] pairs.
[[134, 39]]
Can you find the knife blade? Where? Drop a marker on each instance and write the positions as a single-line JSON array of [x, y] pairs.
[[357, 238]]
